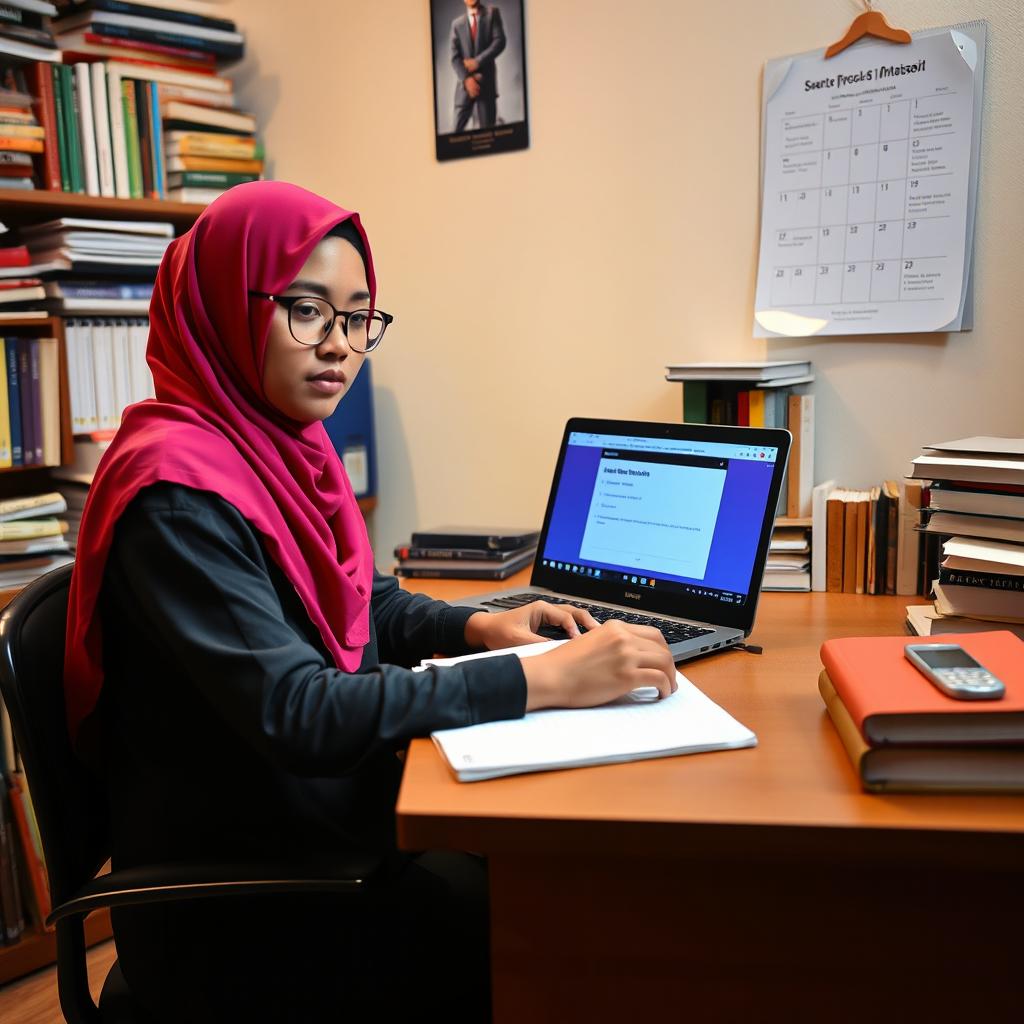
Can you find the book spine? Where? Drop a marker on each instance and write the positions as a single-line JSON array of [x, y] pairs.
[[35, 389], [46, 115], [57, 81], [227, 51], [101, 127], [131, 132], [165, 14], [14, 401], [75, 166], [146, 161], [5, 417], [456, 573], [118, 138], [87, 128], [10, 888], [986, 580], [28, 444], [407, 551], [36, 872], [156, 126], [49, 399]]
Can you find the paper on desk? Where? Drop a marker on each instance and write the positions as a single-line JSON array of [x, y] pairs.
[[633, 728]]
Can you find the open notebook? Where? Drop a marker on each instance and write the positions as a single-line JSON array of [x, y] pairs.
[[635, 727]]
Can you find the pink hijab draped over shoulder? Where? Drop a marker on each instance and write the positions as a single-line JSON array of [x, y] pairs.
[[210, 427]]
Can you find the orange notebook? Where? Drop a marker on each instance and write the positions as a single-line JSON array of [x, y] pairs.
[[891, 702]]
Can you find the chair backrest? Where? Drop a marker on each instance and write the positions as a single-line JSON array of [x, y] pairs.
[[69, 800]]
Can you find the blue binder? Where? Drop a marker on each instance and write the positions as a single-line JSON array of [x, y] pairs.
[[350, 427]]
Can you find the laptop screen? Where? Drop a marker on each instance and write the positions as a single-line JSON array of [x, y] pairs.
[[662, 514]]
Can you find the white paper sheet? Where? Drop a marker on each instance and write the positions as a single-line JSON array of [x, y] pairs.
[[636, 727]]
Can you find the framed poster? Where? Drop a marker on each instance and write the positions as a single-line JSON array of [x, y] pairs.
[[479, 58]]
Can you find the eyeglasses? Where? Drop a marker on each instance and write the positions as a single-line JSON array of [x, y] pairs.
[[311, 320]]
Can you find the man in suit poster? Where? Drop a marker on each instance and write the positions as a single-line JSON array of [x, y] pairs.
[[479, 61]]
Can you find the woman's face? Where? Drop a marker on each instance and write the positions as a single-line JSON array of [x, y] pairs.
[[306, 382]]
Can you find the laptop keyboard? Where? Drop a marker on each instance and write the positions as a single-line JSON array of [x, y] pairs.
[[673, 632]]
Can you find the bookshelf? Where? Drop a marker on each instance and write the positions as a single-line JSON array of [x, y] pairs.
[[25, 206], [37, 948]]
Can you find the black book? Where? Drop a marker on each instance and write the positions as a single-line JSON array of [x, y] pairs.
[[144, 11], [428, 568], [989, 580], [460, 554], [498, 538]]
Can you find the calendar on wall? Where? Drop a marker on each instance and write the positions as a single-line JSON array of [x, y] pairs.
[[869, 187]]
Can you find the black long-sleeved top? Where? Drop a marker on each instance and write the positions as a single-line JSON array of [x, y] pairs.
[[226, 730]]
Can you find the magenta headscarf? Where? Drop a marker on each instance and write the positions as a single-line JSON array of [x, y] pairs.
[[210, 426]]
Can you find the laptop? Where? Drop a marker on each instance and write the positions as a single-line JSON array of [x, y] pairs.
[[663, 524]]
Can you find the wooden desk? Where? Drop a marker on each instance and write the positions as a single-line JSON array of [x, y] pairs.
[[757, 884]]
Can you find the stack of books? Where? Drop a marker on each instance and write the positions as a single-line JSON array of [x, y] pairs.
[[972, 519], [88, 248], [903, 735], [24, 33], [757, 394], [466, 552], [18, 285], [32, 539], [789, 559], [21, 135], [131, 105]]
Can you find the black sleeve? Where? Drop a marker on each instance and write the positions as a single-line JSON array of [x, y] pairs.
[[411, 627], [191, 573]]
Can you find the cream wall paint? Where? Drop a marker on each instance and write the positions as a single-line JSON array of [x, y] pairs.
[[558, 281]]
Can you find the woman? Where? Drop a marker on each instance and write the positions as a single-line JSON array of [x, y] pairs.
[[240, 670]]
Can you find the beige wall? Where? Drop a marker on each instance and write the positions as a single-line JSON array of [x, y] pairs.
[[558, 281]]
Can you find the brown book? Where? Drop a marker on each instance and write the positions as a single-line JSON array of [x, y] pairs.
[[923, 769], [46, 114], [850, 545], [834, 543]]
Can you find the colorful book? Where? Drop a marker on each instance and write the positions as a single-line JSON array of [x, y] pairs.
[[13, 400], [6, 458], [131, 134]]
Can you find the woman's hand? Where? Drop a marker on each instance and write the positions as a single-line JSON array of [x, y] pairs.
[[496, 630], [599, 666]]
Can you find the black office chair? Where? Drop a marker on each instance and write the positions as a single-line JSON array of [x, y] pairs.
[[71, 810]]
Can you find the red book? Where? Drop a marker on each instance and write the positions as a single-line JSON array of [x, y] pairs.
[[181, 52], [892, 703], [41, 79], [36, 870], [743, 409], [14, 256]]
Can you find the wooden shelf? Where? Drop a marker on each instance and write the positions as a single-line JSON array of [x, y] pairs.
[[25, 206], [39, 949]]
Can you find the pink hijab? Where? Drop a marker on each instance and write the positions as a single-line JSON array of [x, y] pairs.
[[211, 428]]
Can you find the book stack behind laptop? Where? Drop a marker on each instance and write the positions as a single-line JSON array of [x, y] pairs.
[[903, 735], [466, 552], [789, 559]]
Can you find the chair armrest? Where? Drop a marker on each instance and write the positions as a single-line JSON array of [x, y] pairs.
[[157, 883]]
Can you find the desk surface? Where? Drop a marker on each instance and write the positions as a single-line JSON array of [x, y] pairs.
[[798, 778]]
